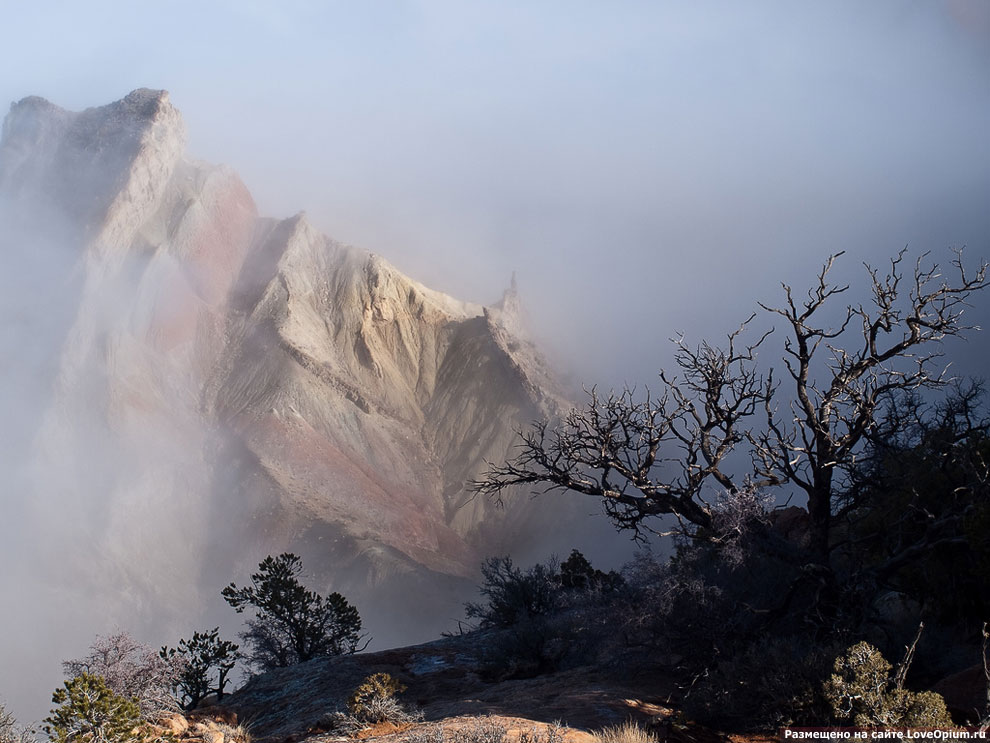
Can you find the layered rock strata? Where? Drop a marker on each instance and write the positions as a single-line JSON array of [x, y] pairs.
[[210, 386]]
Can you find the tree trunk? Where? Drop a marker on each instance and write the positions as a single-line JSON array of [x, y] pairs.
[[820, 516]]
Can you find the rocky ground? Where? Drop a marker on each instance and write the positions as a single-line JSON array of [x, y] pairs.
[[456, 686], [447, 679], [449, 683]]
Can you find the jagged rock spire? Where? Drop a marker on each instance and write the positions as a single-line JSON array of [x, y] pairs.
[[508, 311]]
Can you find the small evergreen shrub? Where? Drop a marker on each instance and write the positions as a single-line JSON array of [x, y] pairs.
[[514, 596], [578, 574], [89, 711], [550, 614], [862, 692], [375, 700]]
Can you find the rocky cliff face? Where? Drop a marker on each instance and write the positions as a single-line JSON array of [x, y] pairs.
[[209, 386]]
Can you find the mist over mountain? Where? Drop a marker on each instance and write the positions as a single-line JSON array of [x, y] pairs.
[[192, 386], [647, 168]]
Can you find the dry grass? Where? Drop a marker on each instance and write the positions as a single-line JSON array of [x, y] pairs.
[[487, 729], [552, 733], [234, 733], [474, 730], [381, 729], [628, 732]]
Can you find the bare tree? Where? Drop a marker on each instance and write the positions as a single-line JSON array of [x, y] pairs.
[[131, 670], [10, 731], [6, 725], [843, 374], [651, 456], [667, 454]]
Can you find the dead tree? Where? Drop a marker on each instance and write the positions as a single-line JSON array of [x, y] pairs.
[[652, 456], [842, 375], [666, 454]]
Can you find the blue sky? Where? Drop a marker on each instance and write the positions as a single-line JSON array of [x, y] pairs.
[[644, 165]]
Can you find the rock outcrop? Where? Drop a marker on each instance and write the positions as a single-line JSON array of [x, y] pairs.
[[448, 681], [212, 386]]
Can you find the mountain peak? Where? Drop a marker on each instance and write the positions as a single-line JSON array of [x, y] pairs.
[[89, 165], [252, 376], [146, 96], [508, 311]]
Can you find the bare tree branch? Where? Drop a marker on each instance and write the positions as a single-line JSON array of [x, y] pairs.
[[612, 448], [658, 455]]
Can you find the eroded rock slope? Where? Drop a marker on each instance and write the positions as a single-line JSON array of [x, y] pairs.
[[210, 386]]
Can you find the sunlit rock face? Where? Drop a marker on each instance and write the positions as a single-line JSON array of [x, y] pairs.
[[202, 386]]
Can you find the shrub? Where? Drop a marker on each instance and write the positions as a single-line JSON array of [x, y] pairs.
[[292, 624], [550, 613], [862, 692], [513, 595], [710, 613], [774, 682], [550, 734], [199, 658], [10, 731], [340, 724], [702, 605], [89, 711], [924, 476], [577, 574], [131, 670], [6, 726], [374, 700], [530, 648]]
